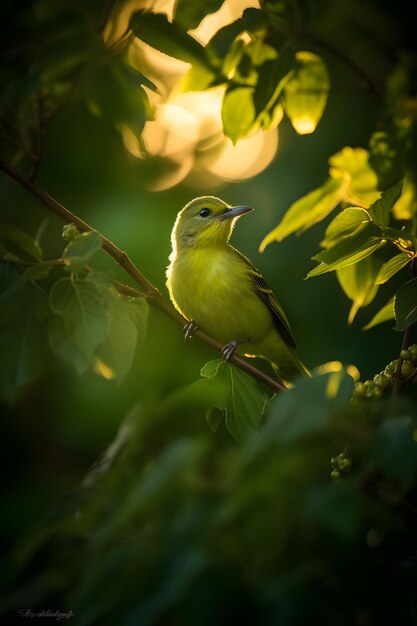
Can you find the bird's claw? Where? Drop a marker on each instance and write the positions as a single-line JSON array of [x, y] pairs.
[[189, 329], [228, 350]]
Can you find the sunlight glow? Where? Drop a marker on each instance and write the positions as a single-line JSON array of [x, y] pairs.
[[186, 134]]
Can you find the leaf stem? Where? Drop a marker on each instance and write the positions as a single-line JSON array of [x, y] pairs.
[[151, 293]]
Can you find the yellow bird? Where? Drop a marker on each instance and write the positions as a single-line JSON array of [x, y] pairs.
[[219, 290]]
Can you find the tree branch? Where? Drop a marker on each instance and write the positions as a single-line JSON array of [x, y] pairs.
[[151, 293], [356, 69]]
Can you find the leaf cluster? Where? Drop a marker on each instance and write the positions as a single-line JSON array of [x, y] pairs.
[[65, 304], [262, 80], [202, 531]]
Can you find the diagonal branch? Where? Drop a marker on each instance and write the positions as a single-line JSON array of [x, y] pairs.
[[147, 290]]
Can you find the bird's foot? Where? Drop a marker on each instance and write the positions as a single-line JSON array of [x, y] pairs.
[[189, 329], [229, 349]]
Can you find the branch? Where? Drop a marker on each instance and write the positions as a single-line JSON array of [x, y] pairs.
[[148, 291], [398, 382], [325, 45]]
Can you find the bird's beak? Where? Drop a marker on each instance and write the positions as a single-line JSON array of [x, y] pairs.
[[235, 211]]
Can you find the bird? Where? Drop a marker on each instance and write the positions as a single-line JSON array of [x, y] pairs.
[[217, 289]]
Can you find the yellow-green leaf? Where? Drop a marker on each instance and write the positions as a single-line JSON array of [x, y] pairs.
[[352, 164], [384, 315], [307, 211], [238, 112], [391, 267], [306, 92], [349, 222], [358, 283]]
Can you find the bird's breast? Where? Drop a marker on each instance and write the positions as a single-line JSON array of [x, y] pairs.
[[213, 289]]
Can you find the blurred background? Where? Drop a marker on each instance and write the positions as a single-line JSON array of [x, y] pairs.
[[130, 189]]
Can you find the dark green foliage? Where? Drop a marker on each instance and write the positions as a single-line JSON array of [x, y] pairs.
[[88, 323], [200, 531], [292, 508]]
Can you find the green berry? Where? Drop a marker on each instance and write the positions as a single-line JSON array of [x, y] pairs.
[[345, 466], [391, 367], [405, 355], [382, 381], [359, 390], [335, 474], [377, 393], [407, 368], [70, 232], [413, 350]]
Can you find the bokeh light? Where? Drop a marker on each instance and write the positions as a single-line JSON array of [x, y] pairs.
[[187, 131]]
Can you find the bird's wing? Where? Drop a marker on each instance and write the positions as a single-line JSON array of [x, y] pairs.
[[265, 293]]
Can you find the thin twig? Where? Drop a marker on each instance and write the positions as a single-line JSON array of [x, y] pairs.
[[150, 292], [325, 45], [39, 138]]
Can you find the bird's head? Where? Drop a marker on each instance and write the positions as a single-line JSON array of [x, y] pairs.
[[205, 221]]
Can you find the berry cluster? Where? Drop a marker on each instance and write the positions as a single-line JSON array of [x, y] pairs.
[[70, 232], [341, 465], [383, 381]]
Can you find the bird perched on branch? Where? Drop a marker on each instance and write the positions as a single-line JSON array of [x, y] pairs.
[[219, 290]]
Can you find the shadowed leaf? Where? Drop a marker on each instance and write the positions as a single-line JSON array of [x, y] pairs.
[[405, 305]]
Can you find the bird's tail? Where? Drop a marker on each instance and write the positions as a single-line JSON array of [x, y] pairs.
[[289, 368]]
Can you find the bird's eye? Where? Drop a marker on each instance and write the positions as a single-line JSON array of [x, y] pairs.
[[204, 212]]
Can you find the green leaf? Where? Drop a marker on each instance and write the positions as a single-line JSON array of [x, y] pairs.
[[347, 251], [244, 402], [190, 13], [380, 210], [79, 252], [22, 240], [358, 283], [307, 211], [352, 165], [23, 308], [391, 267], [38, 271], [387, 158], [169, 38], [349, 222], [384, 315], [127, 330], [81, 322], [238, 112], [324, 395], [306, 92], [253, 21], [405, 305]]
